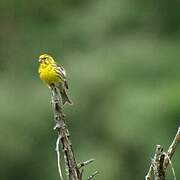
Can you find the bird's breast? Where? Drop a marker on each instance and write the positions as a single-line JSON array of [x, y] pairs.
[[49, 75]]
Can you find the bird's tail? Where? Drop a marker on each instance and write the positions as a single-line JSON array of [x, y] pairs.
[[64, 96]]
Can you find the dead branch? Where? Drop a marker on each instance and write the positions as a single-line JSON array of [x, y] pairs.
[[74, 171], [162, 159]]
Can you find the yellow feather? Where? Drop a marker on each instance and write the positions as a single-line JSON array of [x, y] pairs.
[[50, 73]]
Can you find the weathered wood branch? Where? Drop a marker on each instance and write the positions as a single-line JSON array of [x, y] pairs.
[[162, 159], [172, 148], [74, 171]]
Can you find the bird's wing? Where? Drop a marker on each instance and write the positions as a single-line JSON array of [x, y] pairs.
[[62, 73], [60, 70]]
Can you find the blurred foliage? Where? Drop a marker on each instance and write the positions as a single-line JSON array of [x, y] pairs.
[[122, 59]]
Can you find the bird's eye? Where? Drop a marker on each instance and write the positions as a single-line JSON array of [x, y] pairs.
[[46, 60]]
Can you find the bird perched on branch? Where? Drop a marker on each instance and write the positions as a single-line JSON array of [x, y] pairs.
[[52, 74]]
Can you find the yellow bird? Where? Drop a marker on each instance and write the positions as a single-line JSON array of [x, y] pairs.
[[52, 74]]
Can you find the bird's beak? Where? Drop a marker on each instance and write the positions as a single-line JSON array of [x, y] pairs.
[[40, 60]]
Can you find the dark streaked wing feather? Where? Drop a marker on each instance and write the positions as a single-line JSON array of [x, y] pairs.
[[60, 70], [62, 74]]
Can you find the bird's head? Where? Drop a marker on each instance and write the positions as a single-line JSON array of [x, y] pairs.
[[46, 59]]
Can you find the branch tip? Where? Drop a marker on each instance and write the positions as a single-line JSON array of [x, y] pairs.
[[93, 175], [162, 159], [80, 165]]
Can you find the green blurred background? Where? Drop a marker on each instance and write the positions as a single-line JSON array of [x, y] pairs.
[[122, 59]]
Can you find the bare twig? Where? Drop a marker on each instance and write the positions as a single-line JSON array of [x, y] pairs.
[[154, 170], [173, 171], [58, 158], [162, 159], [80, 165], [149, 175], [155, 161], [73, 170], [93, 175], [172, 148], [158, 164]]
